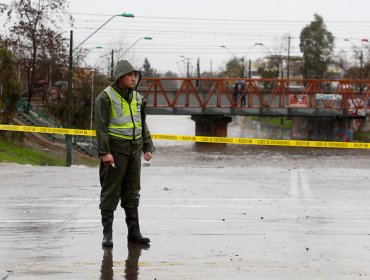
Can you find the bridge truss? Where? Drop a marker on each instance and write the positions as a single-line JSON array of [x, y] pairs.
[[347, 98]]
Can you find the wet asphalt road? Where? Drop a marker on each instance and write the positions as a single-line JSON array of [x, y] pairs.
[[253, 213]]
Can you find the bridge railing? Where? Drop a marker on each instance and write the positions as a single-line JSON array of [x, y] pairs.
[[353, 96]]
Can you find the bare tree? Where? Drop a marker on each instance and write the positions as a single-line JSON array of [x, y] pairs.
[[35, 37]]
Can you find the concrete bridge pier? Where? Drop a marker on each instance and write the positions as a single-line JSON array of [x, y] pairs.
[[211, 125], [323, 128]]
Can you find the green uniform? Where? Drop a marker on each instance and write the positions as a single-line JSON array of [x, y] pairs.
[[123, 182]]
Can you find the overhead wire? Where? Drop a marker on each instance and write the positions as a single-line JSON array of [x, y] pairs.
[[177, 35]]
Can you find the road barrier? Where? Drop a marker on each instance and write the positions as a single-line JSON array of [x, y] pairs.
[[204, 139]]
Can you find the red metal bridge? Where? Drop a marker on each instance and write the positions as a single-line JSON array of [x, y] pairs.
[[264, 97]]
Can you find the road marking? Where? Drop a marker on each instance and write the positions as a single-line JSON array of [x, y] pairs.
[[299, 186]]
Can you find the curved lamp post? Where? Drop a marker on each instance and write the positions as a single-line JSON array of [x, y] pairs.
[[280, 60], [133, 44], [126, 50], [234, 55], [70, 68], [361, 59], [361, 53], [242, 58]]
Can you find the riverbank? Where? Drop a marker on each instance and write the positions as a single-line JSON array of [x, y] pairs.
[[36, 150]]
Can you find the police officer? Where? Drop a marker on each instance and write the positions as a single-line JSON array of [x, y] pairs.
[[122, 134]]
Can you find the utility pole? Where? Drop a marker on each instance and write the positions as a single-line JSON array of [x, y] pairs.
[[112, 65], [187, 65], [70, 69], [361, 64], [242, 61], [288, 61], [187, 69], [197, 82], [92, 100], [361, 75]]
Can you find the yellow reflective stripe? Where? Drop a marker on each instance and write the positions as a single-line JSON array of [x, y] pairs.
[[126, 125], [113, 109], [134, 105], [124, 137]]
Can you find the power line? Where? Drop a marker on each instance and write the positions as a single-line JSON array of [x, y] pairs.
[[223, 20]]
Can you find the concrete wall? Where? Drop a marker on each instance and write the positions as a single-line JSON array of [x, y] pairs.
[[324, 128]]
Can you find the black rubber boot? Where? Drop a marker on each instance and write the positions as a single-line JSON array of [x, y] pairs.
[[132, 221], [107, 222]]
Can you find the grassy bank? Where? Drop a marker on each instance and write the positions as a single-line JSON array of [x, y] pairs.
[[18, 153], [283, 122]]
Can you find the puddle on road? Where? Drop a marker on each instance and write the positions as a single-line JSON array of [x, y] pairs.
[[132, 266]]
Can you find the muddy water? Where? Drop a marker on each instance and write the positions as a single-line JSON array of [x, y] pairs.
[[245, 155], [239, 127]]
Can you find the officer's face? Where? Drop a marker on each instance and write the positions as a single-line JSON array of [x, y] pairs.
[[128, 80]]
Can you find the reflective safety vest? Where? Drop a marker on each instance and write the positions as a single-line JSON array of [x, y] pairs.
[[125, 119]]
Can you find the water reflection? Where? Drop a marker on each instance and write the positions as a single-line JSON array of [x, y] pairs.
[[106, 270], [131, 263]]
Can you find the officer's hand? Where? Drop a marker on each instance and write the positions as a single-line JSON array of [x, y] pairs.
[[148, 156], [108, 159]]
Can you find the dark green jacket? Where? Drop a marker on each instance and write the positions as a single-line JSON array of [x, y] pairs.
[[108, 143]]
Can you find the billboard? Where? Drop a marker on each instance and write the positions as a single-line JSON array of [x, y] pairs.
[[298, 100]]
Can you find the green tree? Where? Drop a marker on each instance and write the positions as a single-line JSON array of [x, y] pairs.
[[170, 74], [233, 69], [316, 44], [9, 86], [171, 84], [269, 69], [35, 37], [148, 70]]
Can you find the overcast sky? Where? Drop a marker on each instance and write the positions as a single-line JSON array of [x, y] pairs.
[[197, 28]]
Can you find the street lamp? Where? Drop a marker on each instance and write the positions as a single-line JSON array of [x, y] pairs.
[[361, 54], [234, 55], [126, 50], [133, 44], [278, 66], [272, 55], [90, 49], [242, 59], [70, 69], [96, 30]]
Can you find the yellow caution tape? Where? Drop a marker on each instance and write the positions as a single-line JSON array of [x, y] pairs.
[[268, 142], [49, 130], [204, 139]]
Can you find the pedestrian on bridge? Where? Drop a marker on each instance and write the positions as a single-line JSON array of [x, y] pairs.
[[243, 94], [122, 135], [236, 94]]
